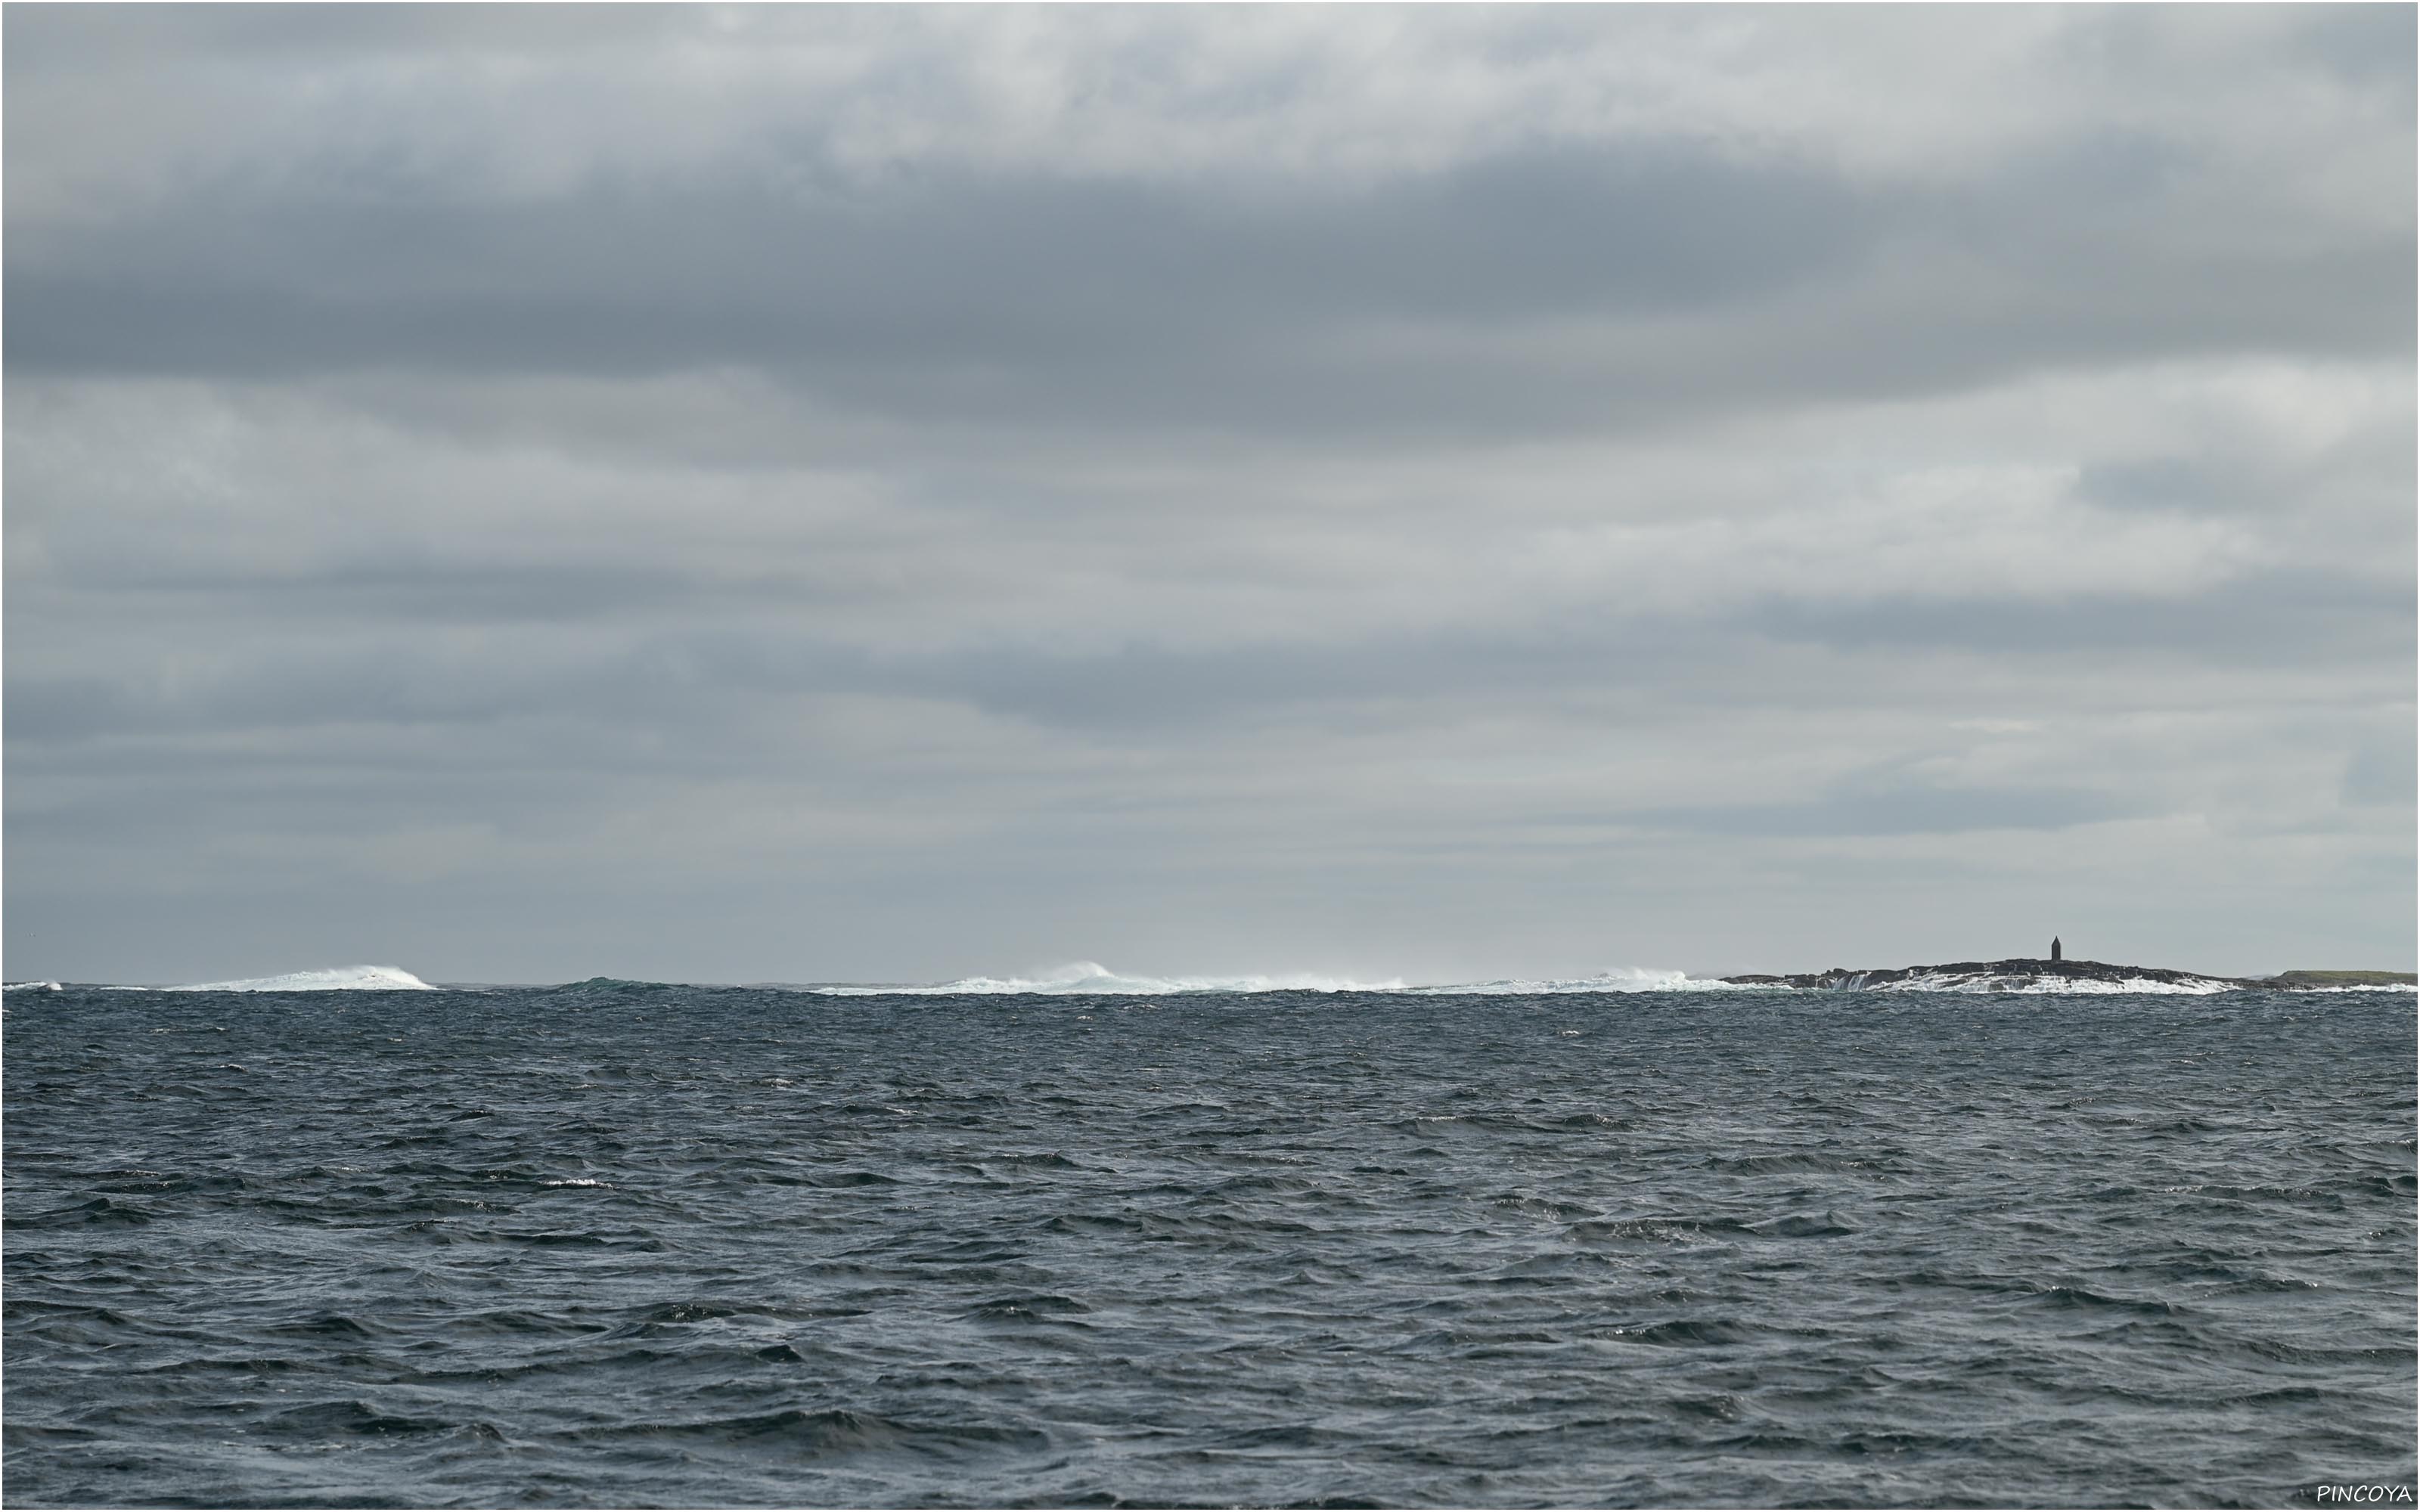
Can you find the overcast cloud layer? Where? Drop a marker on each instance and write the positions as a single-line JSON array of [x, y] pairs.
[[1445, 493]]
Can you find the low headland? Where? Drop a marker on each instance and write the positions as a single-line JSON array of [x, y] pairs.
[[2037, 974]]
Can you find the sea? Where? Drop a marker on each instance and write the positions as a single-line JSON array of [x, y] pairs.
[[636, 1245]]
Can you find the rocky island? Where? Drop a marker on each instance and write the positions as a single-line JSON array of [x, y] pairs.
[[2056, 975]]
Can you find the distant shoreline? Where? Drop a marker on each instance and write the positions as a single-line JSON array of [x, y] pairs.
[[2023, 972], [1089, 980]]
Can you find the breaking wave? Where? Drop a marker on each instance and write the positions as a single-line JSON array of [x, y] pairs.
[[2055, 986], [335, 979], [1089, 977]]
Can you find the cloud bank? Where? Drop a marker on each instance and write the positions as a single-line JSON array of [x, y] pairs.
[[1423, 493]]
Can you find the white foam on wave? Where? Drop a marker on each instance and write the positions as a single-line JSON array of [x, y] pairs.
[[1091, 979], [31, 987], [2056, 986], [332, 979], [1082, 978], [1629, 980], [2364, 987]]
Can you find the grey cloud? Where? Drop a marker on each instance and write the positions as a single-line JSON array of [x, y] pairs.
[[2275, 618], [2382, 771], [2174, 482], [2366, 45], [1066, 301], [238, 277], [688, 677], [1872, 807], [63, 35]]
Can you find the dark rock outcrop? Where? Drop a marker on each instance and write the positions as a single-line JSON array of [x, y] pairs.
[[2016, 974]]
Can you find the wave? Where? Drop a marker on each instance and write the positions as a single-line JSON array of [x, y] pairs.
[[2364, 987], [620, 984], [2056, 986], [1629, 980], [335, 979], [1091, 979]]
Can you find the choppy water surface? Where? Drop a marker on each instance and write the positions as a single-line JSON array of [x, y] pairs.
[[716, 1246]]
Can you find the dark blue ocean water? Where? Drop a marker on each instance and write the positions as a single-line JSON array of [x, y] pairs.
[[698, 1246]]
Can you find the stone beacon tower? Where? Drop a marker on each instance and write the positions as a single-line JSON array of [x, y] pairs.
[[2054, 947]]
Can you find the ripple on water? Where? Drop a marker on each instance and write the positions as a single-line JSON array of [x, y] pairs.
[[623, 1243]]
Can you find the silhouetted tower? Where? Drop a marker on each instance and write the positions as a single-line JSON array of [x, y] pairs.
[[2054, 947]]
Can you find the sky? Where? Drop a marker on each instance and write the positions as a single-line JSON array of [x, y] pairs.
[[893, 494]]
